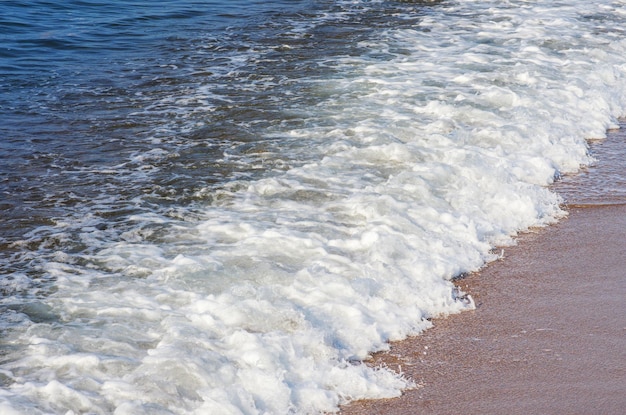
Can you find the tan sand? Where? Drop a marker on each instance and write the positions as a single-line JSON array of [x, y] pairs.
[[548, 335], [549, 332]]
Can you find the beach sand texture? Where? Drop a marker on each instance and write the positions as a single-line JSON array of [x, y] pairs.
[[548, 335]]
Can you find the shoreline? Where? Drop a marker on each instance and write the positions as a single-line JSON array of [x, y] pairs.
[[548, 335]]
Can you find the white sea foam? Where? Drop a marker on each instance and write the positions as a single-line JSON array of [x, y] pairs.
[[425, 161]]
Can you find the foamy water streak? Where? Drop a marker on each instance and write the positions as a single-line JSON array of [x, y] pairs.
[[417, 158]]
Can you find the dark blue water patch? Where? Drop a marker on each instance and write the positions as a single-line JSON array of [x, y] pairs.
[[43, 40]]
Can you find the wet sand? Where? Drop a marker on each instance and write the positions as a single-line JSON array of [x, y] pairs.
[[548, 335]]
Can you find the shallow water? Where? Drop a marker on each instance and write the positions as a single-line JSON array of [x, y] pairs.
[[224, 207], [602, 181]]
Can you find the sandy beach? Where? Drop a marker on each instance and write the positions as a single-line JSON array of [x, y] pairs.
[[548, 335]]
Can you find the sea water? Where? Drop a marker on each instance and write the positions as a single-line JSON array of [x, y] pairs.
[[224, 207]]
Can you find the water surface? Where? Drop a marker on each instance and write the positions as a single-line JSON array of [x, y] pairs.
[[223, 207]]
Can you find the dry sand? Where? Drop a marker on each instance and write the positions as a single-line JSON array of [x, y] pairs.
[[548, 335]]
